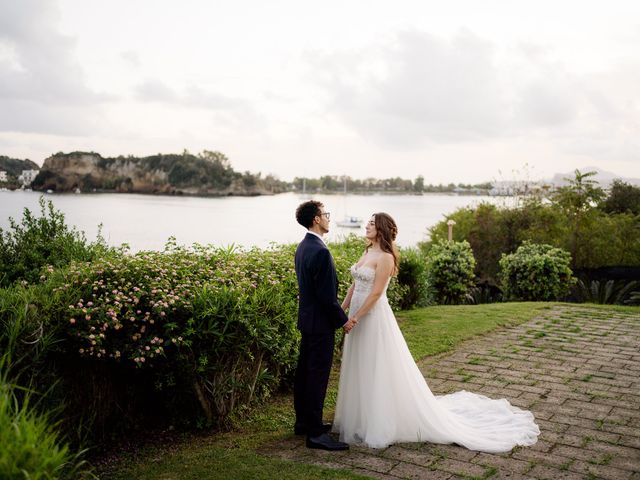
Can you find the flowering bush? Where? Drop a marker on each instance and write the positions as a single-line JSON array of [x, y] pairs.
[[218, 322]]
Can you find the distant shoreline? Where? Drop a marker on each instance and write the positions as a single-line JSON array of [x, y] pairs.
[[307, 194]]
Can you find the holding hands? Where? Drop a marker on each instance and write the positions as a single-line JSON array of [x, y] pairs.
[[352, 322]]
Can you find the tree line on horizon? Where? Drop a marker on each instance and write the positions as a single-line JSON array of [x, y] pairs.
[[214, 168], [337, 183]]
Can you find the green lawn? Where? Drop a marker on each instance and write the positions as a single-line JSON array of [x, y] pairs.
[[235, 454], [434, 330]]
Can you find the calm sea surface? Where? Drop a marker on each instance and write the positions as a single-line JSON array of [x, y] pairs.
[[145, 222]]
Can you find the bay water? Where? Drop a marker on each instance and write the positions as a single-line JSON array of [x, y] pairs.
[[145, 222]]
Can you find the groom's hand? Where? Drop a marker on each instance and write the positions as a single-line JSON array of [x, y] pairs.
[[350, 324]]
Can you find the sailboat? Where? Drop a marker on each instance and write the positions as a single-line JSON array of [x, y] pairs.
[[349, 221]]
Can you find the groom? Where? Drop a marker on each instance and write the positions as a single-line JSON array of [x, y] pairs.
[[319, 315]]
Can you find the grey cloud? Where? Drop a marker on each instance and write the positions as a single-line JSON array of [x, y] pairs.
[[430, 90], [131, 58], [46, 86], [32, 117], [547, 106], [155, 91], [226, 111], [199, 98], [419, 89]]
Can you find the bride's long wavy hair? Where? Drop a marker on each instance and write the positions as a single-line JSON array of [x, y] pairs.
[[386, 232]]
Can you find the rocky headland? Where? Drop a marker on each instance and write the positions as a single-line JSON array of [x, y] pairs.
[[206, 174]]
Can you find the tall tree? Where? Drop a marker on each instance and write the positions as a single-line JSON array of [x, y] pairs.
[[578, 199]]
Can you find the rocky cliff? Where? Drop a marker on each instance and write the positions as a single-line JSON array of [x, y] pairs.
[[206, 174]]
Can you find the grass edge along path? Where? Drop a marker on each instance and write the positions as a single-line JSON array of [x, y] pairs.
[[429, 331]]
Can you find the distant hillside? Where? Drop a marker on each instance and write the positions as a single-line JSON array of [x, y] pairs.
[[602, 176], [14, 166], [208, 173]]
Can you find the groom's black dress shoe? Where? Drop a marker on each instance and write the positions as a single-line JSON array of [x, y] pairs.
[[302, 429], [325, 442]]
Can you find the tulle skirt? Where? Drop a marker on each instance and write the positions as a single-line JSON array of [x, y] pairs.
[[384, 399]]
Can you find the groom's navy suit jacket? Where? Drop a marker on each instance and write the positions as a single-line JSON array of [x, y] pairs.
[[318, 307]]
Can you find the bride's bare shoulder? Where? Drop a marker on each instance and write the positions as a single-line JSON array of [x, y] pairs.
[[386, 259], [387, 256]]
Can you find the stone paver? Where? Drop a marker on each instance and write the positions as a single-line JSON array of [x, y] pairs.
[[578, 370]]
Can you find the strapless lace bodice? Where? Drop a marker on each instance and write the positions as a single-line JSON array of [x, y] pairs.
[[363, 278]]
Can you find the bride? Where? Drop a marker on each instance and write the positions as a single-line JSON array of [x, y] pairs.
[[383, 398]]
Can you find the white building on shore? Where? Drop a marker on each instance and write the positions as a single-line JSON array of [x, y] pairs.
[[3, 176], [27, 176]]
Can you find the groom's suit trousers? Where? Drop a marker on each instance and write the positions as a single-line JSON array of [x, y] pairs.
[[312, 377]]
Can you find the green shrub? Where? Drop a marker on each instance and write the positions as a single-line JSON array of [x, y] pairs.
[[450, 268], [36, 242], [28, 330], [30, 446], [412, 276], [536, 272], [597, 239]]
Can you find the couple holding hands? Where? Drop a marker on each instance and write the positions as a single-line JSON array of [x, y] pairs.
[[382, 396]]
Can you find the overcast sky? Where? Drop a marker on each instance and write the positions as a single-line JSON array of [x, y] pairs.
[[456, 91]]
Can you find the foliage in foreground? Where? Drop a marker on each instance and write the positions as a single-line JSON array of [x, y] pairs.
[[31, 448]]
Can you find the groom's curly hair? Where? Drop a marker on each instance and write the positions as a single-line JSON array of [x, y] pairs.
[[307, 211]]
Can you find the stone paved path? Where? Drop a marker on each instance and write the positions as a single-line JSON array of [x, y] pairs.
[[576, 368]]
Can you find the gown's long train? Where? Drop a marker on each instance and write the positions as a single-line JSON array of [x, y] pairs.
[[383, 398]]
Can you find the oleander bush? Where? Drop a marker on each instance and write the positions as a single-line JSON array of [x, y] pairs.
[[536, 272], [450, 267]]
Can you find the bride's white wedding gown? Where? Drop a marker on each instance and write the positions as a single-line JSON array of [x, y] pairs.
[[384, 399]]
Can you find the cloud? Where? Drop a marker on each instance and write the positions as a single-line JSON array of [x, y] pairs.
[[228, 112], [416, 91], [420, 89], [42, 86], [155, 91], [131, 58]]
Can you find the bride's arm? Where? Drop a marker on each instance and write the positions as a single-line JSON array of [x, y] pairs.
[[384, 269], [347, 300]]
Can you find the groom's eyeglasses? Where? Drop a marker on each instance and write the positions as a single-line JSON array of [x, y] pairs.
[[326, 214]]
